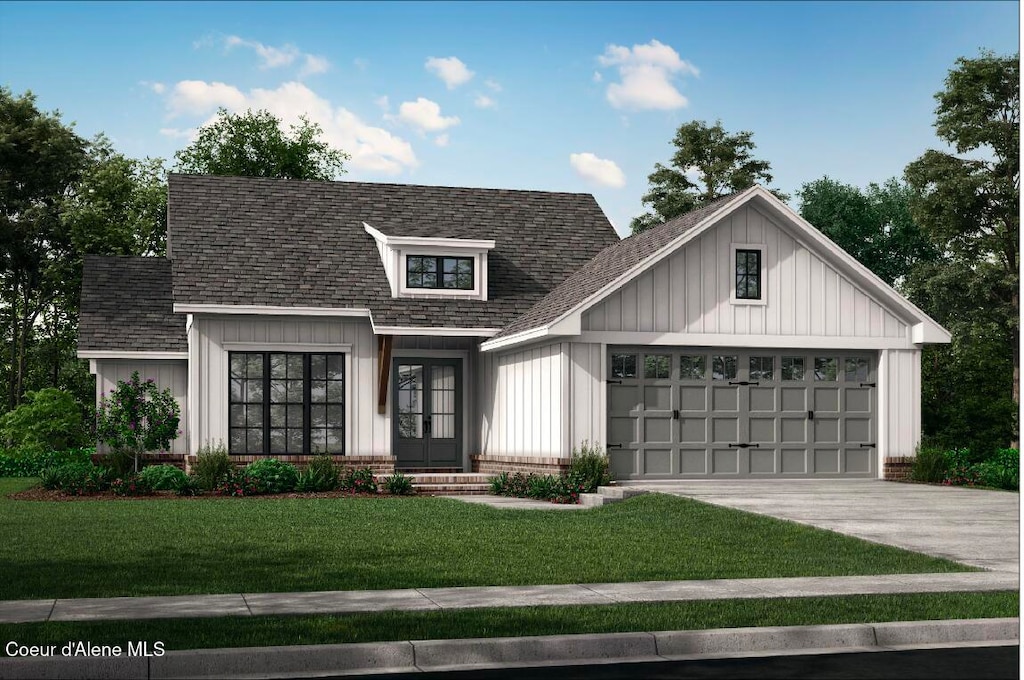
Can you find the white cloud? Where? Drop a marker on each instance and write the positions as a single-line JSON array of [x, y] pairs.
[[157, 87], [441, 140], [383, 103], [598, 170], [482, 101], [314, 65], [372, 149], [597, 77], [286, 55], [647, 72], [493, 84], [425, 115], [179, 133], [449, 69]]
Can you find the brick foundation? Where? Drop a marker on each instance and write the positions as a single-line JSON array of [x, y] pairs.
[[897, 469], [493, 465]]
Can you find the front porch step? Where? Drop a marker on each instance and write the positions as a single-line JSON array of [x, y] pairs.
[[608, 494], [451, 484], [452, 489]]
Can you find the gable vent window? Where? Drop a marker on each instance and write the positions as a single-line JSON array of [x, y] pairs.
[[748, 274], [427, 271]]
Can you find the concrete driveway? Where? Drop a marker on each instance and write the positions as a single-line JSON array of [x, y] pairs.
[[975, 527]]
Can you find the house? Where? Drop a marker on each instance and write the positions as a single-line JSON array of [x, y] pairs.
[[455, 329]]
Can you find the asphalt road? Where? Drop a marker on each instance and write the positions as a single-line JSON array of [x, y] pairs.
[[960, 663]]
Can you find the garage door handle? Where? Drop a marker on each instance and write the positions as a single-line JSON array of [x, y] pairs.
[[867, 446], [867, 384], [744, 446], [743, 382], [675, 414]]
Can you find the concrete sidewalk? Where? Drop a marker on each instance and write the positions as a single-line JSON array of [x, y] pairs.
[[413, 599]]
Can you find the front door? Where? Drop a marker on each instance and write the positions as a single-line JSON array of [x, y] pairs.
[[427, 412]]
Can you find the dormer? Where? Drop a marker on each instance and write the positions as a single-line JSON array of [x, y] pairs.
[[418, 266]]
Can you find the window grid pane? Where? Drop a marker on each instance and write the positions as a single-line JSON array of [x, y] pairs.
[[748, 274], [692, 367], [723, 367], [623, 365], [454, 273], [657, 366], [792, 368], [762, 368], [825, 368]]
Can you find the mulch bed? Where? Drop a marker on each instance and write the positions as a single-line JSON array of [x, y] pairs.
[[40, 494]]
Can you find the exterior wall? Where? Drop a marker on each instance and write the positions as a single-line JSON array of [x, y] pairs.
[[587, 393], [690, 291], [521, 400], [211, 338], [168, 373], [899, 403]]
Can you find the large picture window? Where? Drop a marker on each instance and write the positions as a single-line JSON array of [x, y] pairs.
[[748, 274], [428, 271], [286, 403]]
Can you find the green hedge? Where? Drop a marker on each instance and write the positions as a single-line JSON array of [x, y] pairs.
[[29, 463], [957, 467]]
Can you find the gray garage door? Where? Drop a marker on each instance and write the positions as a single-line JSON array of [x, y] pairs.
[[699, 412]]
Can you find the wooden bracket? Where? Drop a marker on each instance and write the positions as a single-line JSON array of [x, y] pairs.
[[384, 345]]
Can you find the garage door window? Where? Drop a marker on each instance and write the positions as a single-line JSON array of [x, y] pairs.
[[657, 366], [762, 368], [723, 367], [856, 370], [792, 368], [692, 367], [825, 368], [623, 365]]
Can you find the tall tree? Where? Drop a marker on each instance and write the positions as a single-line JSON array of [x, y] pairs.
[[708, 163], [41, 159], [252, 144], [875, 225], [969, 203]]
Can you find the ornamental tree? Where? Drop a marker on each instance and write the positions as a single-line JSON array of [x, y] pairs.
[[137, 417]]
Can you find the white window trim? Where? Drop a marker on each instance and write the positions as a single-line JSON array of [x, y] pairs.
[[479, 274], [761, 248]]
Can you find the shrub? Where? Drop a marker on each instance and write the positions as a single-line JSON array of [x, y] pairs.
[[80, 479], [237, 483], [499, 483], [320, 475], [133, 485], [929, 465], [398, 484], [162, 477], [588, 465], [120, 462], [518, 485], [272, 476], [542, 487], [50, 479], [138, 417], [213, 466], [32, 463], [959, 469], [49, 420], [359, 481], [1001, 471], [187, 486], [569, 489]]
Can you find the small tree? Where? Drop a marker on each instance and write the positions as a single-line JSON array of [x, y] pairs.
[[137, 417]]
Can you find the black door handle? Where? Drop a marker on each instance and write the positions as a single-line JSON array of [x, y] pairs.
[[744, 446], [675, 414], [810, 415], [426, 425], [867, 384], [743, 382]]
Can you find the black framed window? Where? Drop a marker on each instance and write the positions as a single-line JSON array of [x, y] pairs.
[[748, 274], [286, 403], [428, 271]]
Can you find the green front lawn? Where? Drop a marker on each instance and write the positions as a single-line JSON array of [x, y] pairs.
[[169, 547], [265, 631]]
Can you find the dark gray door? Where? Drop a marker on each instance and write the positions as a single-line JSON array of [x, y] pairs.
[[427, 412], [701, 412]]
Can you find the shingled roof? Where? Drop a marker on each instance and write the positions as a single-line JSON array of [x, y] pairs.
[[256, 241], [608, 265], [126, 305]]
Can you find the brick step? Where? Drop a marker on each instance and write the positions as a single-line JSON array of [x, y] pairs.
[[452, 489], [457, 478], [430, 471]]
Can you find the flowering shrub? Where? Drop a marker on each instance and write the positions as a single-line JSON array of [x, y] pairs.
[[565, 488], [398, 484], [359, 481], [272, 476], [237, 484], [131, 486], [77, 479], [137, 417], [162, 477], [959, 471]]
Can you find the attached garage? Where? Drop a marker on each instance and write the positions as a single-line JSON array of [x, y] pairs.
[[680, 412], [736, 341]]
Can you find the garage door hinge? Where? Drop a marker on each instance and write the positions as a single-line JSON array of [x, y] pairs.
[[868, 446], [867, 384], [616, 382], [615, 446]]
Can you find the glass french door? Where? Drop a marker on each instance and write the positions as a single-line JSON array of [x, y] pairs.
[[427, 412]]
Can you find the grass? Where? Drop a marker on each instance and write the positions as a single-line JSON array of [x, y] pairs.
[[150, 547], [475, 623]]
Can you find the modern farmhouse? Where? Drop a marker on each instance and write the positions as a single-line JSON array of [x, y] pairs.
[[420, 327]]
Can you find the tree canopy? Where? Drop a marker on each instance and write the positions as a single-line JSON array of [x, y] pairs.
[[252, 144], [708, 163]]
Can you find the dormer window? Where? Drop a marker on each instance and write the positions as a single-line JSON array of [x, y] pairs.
[[433, 266], [429, 271]]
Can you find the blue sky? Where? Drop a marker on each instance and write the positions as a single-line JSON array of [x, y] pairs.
[[561, 97]]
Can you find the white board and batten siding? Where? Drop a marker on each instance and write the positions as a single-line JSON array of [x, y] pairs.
[[689, 292], [541, 401], [166, 373], [899, 402], [211, 338]]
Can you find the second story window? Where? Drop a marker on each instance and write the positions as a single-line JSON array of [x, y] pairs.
[[429, 271], [748, 274]]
